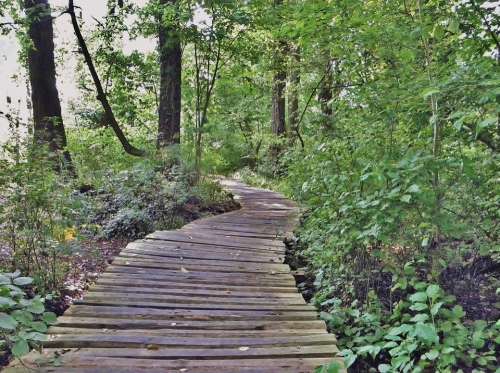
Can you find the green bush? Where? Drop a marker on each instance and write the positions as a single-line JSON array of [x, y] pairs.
[[23, 320], [425, 330], [37, 215]]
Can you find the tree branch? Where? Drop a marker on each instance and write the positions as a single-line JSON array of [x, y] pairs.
[[101, 95]]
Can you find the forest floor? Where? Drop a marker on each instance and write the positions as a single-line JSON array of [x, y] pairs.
[[471, 282], [92, 254]]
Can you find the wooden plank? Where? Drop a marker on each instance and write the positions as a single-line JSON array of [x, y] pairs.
[[181, 313], [56, 330], [180, 275], [211, 256], [131, 341], [85, 364], [172, 247], [189, 284], [210, 354], [189, 298], [212, 297], [199, 264], [195, 290], [192, 305], [102, 322], [207, 239]]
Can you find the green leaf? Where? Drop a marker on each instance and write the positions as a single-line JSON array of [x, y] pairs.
[[349, 357], [418, 307], [414, 188], [50, 318], [457, 312], [36, 307], [24, 317], [406, 198], [431, 355], [404, 328], [430, 91], [478, 339], [435, 308], [398, 361], [23, 281], [485, 123], [20, 348], [4, 280], [39, 326], [420, 317], [426, 332], [7, 322], [384, 368], [418, 297], [369, 349], [6, 301], [433, 291]]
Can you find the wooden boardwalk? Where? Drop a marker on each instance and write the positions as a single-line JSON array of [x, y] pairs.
[[212, 297]]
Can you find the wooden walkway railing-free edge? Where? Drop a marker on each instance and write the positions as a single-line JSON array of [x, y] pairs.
[[212, 297]]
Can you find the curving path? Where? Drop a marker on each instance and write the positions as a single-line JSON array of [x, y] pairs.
[[212, 297]]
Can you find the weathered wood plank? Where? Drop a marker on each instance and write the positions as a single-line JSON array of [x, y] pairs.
[[117, 323], [130, 341], [211, 297]]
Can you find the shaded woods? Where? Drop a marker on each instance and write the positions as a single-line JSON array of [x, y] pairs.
[[381, 119]]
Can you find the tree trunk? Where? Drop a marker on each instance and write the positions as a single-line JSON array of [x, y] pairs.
[[48, 127], [169, 111], [325, 96], [101, 95], [293, 89], [279, 85], [279, 126]]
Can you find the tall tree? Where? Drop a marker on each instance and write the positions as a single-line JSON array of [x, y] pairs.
[[279, 86], [48, 124], [169, 111], [293, 88]]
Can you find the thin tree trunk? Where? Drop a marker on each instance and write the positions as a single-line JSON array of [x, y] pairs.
[[293, 91], [325, 96], [101, 95], [169, 125], [48, 125], [279, 85]]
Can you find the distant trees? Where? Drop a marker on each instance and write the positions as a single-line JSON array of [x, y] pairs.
[[48, 124], [169, 112]]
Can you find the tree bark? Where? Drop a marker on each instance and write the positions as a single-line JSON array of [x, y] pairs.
[[169, 112], [101, 95], [325, 96], [48, 127], [279, 85], [293, 89]]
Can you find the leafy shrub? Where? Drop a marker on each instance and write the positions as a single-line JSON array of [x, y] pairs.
[[424, 331], [23, 320], [128, 223], [37, 212]]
